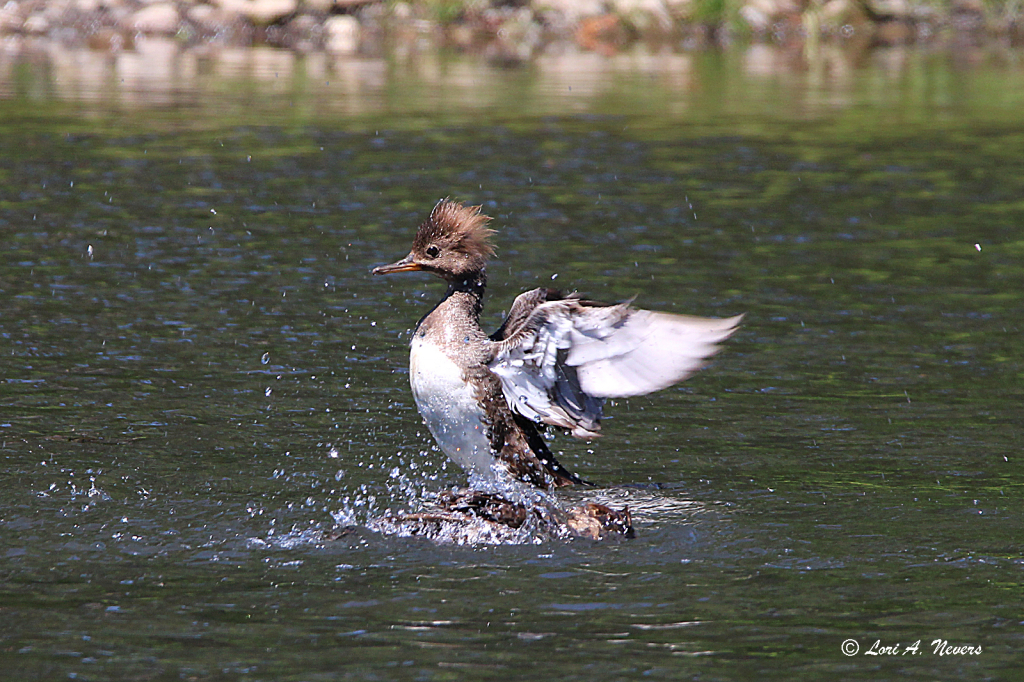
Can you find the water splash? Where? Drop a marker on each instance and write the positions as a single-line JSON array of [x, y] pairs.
[[404, 498]]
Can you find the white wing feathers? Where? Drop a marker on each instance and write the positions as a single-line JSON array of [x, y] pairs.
[[646, 352], [568, 355]]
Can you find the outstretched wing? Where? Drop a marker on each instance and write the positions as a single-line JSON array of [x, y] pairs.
[[558, 363]]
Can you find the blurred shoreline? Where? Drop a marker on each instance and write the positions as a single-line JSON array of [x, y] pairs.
[[410, 67], [213, 83], [504, 31]]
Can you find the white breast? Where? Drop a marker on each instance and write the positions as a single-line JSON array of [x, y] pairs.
[[450, 410]]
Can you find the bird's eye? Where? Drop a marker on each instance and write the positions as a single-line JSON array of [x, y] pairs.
[[433, 251]]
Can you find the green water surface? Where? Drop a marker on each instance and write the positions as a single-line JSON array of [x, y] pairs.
[[199, 378]]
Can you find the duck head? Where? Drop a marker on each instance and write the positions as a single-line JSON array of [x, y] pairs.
[[452, 243]]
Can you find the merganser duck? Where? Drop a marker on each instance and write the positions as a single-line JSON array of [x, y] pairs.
[[553, 361]]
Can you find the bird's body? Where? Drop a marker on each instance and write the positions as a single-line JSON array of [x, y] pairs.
[[485, 398], [462, 401], [443, 352]]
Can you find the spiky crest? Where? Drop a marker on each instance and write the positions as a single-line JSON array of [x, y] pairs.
[[458, 227]]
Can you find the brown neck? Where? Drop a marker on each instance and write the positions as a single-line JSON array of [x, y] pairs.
[[464, 289], [473, 284]]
